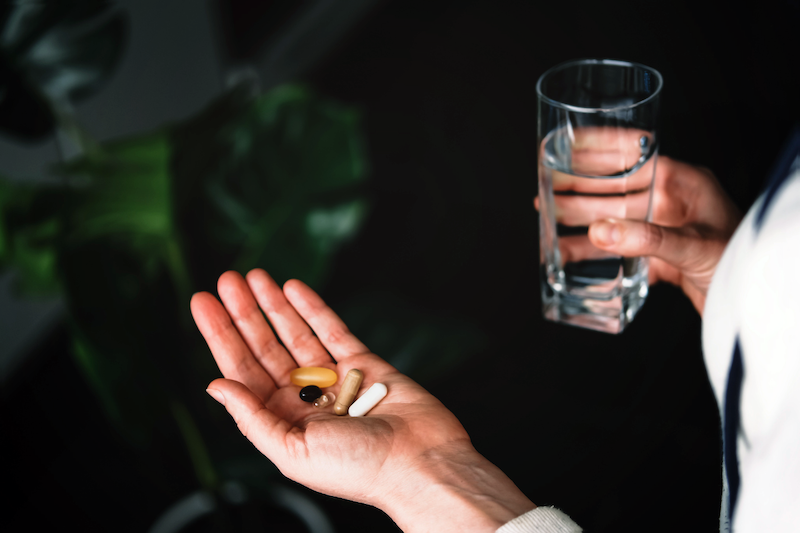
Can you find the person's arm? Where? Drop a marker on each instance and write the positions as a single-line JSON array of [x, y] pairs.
[[454, 489], [409, 456]]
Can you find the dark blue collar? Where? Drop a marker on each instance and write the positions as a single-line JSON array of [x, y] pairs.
[[781, 171]]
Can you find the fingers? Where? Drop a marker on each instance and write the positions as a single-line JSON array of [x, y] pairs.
[[637, 181], [579, 201], [295, 333], [583, 210], [331, 329], [231, 353], [267, 431], [244, 345], [605, 151], [687, 194], [579, 248], [241, 306], [601, 137], [684, 248]]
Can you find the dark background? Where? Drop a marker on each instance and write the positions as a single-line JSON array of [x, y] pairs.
[[621, 432]]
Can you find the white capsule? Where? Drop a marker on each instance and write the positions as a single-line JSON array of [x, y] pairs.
[[368, 400]]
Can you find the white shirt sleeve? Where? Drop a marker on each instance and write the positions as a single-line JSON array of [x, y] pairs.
[[541, 520], [755, 296]]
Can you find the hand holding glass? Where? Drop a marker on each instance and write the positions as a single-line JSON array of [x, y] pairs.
[[598, 146]]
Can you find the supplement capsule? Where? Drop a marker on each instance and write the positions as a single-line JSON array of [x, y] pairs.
[[352, 381], [325, 400], [309, 393], [368, 400], [313, 375]]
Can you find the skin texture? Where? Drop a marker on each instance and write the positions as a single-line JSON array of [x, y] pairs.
[[693, 218], [409, 456]]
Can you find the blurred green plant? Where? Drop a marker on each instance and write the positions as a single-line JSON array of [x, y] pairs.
[[281, 187], [271, 180]]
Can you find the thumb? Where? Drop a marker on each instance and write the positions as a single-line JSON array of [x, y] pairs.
[[680, 247], [266, 430]]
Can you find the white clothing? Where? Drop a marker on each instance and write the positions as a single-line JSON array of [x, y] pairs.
[[755, 297]]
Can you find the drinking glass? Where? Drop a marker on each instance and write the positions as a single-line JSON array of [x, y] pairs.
[[598, 146]]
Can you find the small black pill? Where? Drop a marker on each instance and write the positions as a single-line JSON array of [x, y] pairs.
[[310, 393]]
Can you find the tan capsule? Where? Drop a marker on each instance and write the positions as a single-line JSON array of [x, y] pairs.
[[352, 381]]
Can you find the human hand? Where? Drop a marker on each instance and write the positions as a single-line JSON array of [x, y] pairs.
[[692, 217], [693, 220], [409, 456]]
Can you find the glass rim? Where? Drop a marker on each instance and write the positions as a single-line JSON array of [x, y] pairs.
[[614, 62]]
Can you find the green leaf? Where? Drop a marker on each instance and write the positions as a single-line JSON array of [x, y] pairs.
[[326, 227], [128, 201], [278, 185], [195, 445], [30, 229], [99, 376], [127, 194]]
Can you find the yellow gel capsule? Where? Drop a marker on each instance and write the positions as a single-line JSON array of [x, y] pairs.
[[313, 375], [352, 381]]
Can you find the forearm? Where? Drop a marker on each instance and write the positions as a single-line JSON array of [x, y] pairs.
[[454, 489]]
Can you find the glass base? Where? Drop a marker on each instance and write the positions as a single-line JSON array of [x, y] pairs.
[[607, 315]]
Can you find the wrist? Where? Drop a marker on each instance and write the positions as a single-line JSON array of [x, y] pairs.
[[453, 488]]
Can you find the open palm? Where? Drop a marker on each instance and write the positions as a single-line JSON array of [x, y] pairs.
[[362, 459]]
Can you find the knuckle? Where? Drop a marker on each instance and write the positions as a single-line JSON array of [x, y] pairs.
[[223, 328], [707, 172], [244, 366], [243, 313], [303, 340], [665, 169], [245, 423], [337, 335], [270, 347], [652, 237]]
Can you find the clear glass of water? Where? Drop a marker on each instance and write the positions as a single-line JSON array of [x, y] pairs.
[[598, 145]]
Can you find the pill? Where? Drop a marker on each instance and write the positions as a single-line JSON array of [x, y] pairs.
[[309, 393], [352, 381], [368, 400], [313, 375], [325, 400]]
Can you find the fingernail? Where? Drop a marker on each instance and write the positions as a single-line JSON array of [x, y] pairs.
[[217, 395], [606, 232]]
